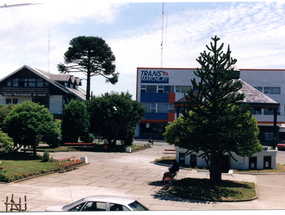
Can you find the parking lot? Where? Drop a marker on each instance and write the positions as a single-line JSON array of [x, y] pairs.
[[134, 175]]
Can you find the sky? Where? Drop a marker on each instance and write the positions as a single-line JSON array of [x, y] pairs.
[[39, 35]]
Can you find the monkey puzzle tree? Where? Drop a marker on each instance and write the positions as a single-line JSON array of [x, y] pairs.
[[91, 56], [212, 122]]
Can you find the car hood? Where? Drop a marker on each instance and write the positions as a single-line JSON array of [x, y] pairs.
[[55, 208]]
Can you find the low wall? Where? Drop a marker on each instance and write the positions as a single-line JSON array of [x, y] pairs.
[[262, 160]]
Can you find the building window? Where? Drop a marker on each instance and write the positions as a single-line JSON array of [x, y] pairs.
[[15, 82], [272, 90], [170, 108], [259, 89], [153, 107], [9, 101], [268, 112], [151, 88], [268, 136], [255, 112], [182, 89], [169, 89], [9, 83], [162, 108], [185, 89], [160, 89], [32, 82], [178, 89], [40, 83], [143, 88], [165, 89], [147, 105]]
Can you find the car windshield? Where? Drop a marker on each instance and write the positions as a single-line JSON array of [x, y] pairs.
[[74, 203], [136, 206]]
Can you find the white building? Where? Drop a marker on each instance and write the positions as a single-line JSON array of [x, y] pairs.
[[161, 91], [271, 82]]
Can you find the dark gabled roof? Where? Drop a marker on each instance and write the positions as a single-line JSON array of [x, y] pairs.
[[54, 79], [253, 97]]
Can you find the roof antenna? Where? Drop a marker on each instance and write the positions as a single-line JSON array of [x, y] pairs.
[[162, 33], [48, 50]]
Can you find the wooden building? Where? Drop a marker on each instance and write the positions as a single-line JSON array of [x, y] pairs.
[[51, 90]]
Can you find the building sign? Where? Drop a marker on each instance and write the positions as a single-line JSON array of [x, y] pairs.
[[25, 94], [154, 76]]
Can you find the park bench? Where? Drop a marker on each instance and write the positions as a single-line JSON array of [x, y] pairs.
[[69, 163], [169, 151], [80, 144], [168, 181]]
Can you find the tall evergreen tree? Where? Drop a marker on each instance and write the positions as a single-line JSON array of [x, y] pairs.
[[212, 122], [93, 57]]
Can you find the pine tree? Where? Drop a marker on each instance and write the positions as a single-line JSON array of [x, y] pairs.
[[212, 122]]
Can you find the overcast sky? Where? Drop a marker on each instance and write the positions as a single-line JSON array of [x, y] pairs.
[[254, 30]]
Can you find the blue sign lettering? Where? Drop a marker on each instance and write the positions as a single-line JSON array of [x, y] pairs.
[[154, 77]]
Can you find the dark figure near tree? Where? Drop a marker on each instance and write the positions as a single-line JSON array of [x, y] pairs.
[[173, 168]]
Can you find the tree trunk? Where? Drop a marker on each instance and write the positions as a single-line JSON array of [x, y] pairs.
[[35, 150], [215, 171], [88, 85]]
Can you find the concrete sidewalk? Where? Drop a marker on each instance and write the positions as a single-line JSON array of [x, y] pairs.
[[132, 175]]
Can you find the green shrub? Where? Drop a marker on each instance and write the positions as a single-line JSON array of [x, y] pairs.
[[3, 176], [45, 157]]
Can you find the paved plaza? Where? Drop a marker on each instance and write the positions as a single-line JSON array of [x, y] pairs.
[[133, 175]]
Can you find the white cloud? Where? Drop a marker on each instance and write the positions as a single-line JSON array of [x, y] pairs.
[[24, 30], [254, 30]]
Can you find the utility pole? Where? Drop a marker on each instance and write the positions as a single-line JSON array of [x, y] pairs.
[[162, 34]]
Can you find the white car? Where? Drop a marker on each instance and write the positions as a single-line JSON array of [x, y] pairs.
[[101, 203]]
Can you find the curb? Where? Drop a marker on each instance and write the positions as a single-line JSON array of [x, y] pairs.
[[211, 200]]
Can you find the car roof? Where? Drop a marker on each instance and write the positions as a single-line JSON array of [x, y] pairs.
[[106, 198]]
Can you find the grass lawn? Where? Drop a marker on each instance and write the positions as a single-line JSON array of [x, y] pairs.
[[20, 165], [200, 189]]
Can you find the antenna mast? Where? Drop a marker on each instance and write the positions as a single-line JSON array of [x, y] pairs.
[[49, 50], [162, 33]]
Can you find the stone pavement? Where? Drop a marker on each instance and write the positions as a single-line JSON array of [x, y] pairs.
[[133, 175]]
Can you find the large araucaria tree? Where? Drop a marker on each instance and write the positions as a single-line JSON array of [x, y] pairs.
[[213, 122], [91, 56]]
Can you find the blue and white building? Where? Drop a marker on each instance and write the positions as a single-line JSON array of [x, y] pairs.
[[161, 91]]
